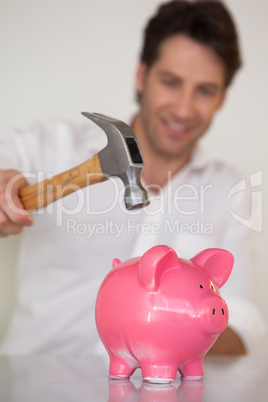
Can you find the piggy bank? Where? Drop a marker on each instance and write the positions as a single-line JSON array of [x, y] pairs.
[[162, 313]]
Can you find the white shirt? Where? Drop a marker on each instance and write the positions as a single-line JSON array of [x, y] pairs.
[[66, 254]]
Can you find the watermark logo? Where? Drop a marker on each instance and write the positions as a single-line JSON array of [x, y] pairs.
[[254, 220], [133, 227], [186, 206]]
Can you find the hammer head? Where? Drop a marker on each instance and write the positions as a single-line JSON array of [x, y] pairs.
[[122, 158]]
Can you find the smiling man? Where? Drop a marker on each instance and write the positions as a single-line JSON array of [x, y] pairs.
[[181, 81]]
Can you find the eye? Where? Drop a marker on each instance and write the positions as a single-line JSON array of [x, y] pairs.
[[170, 83], [169, 80], [207, 90], [212, 287], [204, 91], [201, 286]]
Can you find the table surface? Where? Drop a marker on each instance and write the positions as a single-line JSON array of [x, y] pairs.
[[56, 379]]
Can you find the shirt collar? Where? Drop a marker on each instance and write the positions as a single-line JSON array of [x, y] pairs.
[[199, 160]]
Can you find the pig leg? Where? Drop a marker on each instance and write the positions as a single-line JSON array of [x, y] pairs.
[[120, 368], [193, 370], [158, 372], [122, 361]]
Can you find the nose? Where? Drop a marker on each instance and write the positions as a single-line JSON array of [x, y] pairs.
[[184, 104], [218, 311], [214, 314]]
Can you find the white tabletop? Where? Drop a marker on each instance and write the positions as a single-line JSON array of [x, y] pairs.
[[54, 379]]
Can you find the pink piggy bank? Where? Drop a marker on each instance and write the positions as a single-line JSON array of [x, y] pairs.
[[162, 313]]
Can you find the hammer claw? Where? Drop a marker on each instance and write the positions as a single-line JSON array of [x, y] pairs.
[[101, 120]]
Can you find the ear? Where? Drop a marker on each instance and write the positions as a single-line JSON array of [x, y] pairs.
[[116, 262], [217, 262], [140, 77], [154, 263]]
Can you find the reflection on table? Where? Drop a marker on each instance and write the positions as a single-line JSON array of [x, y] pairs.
[[54, 379]]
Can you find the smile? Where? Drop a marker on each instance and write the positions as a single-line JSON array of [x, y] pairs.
[[176, 128]]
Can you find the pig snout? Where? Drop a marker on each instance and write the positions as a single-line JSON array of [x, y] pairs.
[[214, 315]]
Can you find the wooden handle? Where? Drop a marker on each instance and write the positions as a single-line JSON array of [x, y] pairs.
[[40, 194]]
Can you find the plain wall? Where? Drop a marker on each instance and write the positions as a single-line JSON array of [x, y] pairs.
[[61, 57]]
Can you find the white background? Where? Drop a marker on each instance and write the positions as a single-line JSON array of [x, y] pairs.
[[61, 57]]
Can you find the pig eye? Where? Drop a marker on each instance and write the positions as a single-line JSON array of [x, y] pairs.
[[201, 286], [212, 287]]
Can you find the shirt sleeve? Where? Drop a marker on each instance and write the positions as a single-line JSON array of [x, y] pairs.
[[23, 150], [50, 146], [240, 291]]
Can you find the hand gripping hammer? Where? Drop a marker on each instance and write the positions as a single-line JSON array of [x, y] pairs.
[[121, 157]]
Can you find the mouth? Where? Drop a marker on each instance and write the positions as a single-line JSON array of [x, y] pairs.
[[175, 129]]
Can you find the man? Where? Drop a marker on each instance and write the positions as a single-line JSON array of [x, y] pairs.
[[189, 58]]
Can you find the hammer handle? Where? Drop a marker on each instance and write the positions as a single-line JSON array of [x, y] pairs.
[[40, 194]]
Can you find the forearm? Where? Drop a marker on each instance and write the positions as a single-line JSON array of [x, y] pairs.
[[228, 343]]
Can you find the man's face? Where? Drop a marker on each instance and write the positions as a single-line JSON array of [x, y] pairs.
[[180, 93]]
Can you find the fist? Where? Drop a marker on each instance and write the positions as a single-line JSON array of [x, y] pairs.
[[13, 216]]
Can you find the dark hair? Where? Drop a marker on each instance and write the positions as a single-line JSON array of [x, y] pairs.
[[205, 21]]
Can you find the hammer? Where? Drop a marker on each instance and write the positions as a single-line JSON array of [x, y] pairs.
[[121, 157]]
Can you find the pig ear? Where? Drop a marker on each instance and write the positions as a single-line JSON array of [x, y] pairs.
[[217, 262], [116, 261], [154, 263]]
